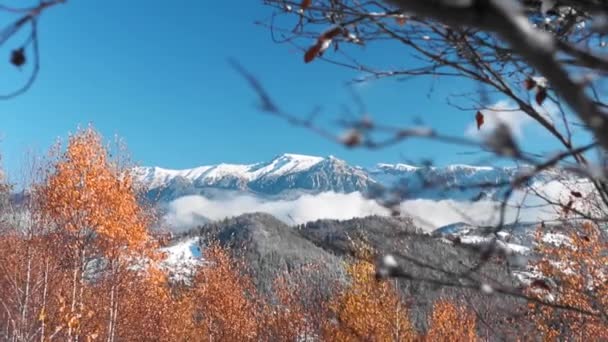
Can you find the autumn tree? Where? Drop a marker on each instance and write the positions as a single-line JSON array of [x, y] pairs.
[[154, 309], [227, 306], [91, 202], [27, 275], [287, 319], [297, 308], [368, 310], [572, 280], [30, 267], [451, 322]]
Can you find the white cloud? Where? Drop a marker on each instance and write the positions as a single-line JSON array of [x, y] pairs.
[[430, 214], [190, 211]]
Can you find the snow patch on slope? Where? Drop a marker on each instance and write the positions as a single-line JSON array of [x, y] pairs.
[[182, 258]]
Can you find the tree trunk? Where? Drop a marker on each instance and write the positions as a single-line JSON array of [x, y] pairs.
[[44, 294], [26, 296], [75, 283], [111, 318]]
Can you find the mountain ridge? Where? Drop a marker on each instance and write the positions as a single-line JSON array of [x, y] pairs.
[[297, 172]]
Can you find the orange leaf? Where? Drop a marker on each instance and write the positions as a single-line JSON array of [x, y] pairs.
[[541, 95], [312, 53], [331, 33], [479, 119], [305, 4]]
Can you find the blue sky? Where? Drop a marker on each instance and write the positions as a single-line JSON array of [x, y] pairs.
[[156, 74]]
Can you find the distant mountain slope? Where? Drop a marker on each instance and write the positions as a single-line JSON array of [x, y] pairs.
[[271, 248]]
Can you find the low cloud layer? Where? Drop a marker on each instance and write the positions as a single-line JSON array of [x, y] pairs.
[[190, 211]]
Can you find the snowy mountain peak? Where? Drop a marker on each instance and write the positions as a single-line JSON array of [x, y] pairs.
[[285, 164], [397, 167], [299, 157]]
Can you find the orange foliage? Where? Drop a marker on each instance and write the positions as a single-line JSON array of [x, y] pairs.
[[450, 322], [287, 320], [88, 196], [91, 203], [579, 268], [151, 312], [225, 299], [297, 309], [368, 310]]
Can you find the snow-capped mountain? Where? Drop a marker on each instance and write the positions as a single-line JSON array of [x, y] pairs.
[[231, 175], [287, 172], [295, 174]]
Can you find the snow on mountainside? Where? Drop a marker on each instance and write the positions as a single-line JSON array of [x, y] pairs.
[[182, 258], [282, 165], [285, 172], [289, 173], [516, 238]]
